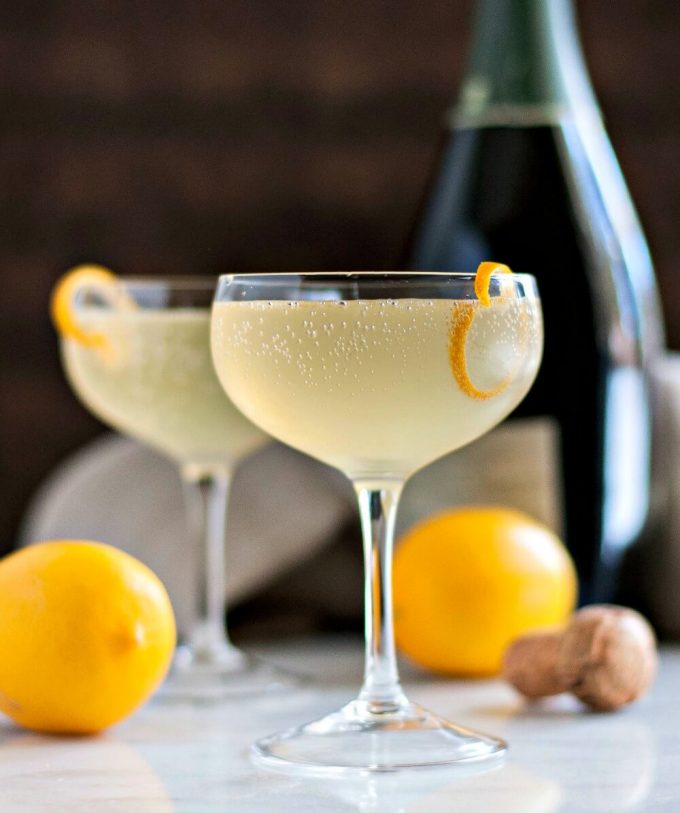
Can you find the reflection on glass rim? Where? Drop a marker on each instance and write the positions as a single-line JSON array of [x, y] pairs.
[[270, 276], [177, 283]]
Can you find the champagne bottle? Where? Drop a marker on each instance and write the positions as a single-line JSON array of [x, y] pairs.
[[527, 177]]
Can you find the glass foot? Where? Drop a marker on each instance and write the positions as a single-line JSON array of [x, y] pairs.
[[228, 673], [354, 740]]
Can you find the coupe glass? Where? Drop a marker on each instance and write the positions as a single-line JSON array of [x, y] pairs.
[[376, 374], [151, 377]]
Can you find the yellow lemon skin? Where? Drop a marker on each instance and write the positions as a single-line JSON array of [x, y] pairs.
[[87, 633], [469, 581]]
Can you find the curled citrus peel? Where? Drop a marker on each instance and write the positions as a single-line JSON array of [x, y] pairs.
[[483, 279], [62, 304], [462, 317]]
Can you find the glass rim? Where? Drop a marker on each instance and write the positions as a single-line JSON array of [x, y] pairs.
[[268, 276], [180, 282], [178, 291]]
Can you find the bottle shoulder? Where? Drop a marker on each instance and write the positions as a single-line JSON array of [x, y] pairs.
[[548, 200]]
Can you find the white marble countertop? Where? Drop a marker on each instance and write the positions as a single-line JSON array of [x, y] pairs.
[[183, 759]]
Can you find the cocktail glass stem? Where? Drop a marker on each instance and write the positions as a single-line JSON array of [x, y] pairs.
[[207, 497], [381, 692], [380, 730]]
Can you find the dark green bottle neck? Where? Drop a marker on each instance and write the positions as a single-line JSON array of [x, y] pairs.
[[526, 66]]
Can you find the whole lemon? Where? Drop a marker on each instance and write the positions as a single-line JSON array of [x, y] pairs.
[[469, 581], [87, 633]]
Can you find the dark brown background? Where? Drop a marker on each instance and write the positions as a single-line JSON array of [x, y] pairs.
[[181, 137]]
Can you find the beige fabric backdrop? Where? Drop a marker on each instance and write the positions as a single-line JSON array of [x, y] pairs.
[[293, 526]]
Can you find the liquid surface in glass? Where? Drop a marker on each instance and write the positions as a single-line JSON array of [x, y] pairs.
[[371, 386], [154, 380]]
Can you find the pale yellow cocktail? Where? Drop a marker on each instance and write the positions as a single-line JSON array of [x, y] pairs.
[[153, 379], [370, 386]]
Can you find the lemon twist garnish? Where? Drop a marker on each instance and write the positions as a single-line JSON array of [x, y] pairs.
[[483, 280], [62, 302], [462, 318]]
